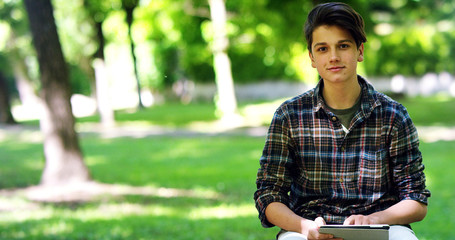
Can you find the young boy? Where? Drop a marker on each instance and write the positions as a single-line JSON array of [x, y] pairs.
[[341, 153]]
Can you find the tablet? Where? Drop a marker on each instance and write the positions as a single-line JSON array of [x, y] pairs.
[[357, 232]]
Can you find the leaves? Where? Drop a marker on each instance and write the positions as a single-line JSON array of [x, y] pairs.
[[174, 42]]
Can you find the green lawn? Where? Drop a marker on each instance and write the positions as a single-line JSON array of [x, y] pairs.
[[219, 169], [203, 164], [431, 111], [424, 111], [171, 115]]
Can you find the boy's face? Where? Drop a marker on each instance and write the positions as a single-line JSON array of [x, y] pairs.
[[335, 54]]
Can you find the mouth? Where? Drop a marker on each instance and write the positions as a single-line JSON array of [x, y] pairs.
[[335, 68]]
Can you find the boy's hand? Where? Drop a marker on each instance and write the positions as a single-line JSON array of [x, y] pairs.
[[360, 220], [313, 230]]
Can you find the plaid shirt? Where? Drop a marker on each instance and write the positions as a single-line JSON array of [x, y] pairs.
[[311, 165]]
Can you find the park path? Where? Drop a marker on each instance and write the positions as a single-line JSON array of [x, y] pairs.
[[33, 134]]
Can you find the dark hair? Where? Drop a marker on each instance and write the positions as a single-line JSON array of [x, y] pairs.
[[335, 14]]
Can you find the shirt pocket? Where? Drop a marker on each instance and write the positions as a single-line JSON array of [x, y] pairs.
[[373, 172]]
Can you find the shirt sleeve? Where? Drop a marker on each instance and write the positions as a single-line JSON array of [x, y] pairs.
[[273, 177], [407, 159]]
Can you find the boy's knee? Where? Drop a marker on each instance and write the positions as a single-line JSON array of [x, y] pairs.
[[291, 236], [398, 232]]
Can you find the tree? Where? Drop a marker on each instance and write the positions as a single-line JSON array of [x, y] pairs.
[[64, 161], [97, 15], [226, 101], [18, 52], [5, 103], [129, 6]]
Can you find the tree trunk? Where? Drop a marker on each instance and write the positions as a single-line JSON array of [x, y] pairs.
[[30, 103], [226, 101], [102, 83], [24, 85], [102, 93], [64, 161], [5, 103], [129, 6], [98, 65]]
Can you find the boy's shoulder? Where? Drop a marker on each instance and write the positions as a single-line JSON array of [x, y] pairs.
[[386, 103], [304, 100], [375, 95], [300, 104]]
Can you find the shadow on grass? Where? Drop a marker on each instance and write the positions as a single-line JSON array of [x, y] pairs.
[[133, 217], [137, 227], [21, 164], [225, 166]]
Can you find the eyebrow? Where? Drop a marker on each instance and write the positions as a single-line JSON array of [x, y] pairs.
[[341, 41]]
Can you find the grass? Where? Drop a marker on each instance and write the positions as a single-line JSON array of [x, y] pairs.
[[205, 164], [424, 111], [438, 159], [224, 164], [431, 111], [171, 115]]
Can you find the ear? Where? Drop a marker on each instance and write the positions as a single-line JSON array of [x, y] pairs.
[[313, 63], [361, 51]]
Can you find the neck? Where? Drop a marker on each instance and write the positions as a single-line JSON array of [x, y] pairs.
[[341, 95]]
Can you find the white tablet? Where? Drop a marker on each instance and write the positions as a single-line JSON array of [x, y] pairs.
[[357, 232]]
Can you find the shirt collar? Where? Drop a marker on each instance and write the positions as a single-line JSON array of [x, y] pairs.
[[369, 96]]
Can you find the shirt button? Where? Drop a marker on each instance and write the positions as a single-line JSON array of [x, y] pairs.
[[334, 119]]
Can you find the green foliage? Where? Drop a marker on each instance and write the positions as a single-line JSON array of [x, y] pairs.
[[80, 82], [15, 41], [173, 38], [5, 73], [409, 37], [262, 40]]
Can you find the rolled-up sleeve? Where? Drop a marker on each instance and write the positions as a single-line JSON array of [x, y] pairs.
[[273, 180], [408, 169]]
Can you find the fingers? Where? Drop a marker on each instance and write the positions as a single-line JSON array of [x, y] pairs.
[[349, 221], [315, 233], [358, 220], [320, 221]]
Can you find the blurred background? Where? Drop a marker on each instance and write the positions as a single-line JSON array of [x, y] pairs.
[[409, 50], [172, 99]]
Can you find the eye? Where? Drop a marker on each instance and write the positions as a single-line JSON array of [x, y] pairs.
[[322, 49], [343, 46]]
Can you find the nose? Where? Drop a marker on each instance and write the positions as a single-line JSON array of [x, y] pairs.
[[334, 55]]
